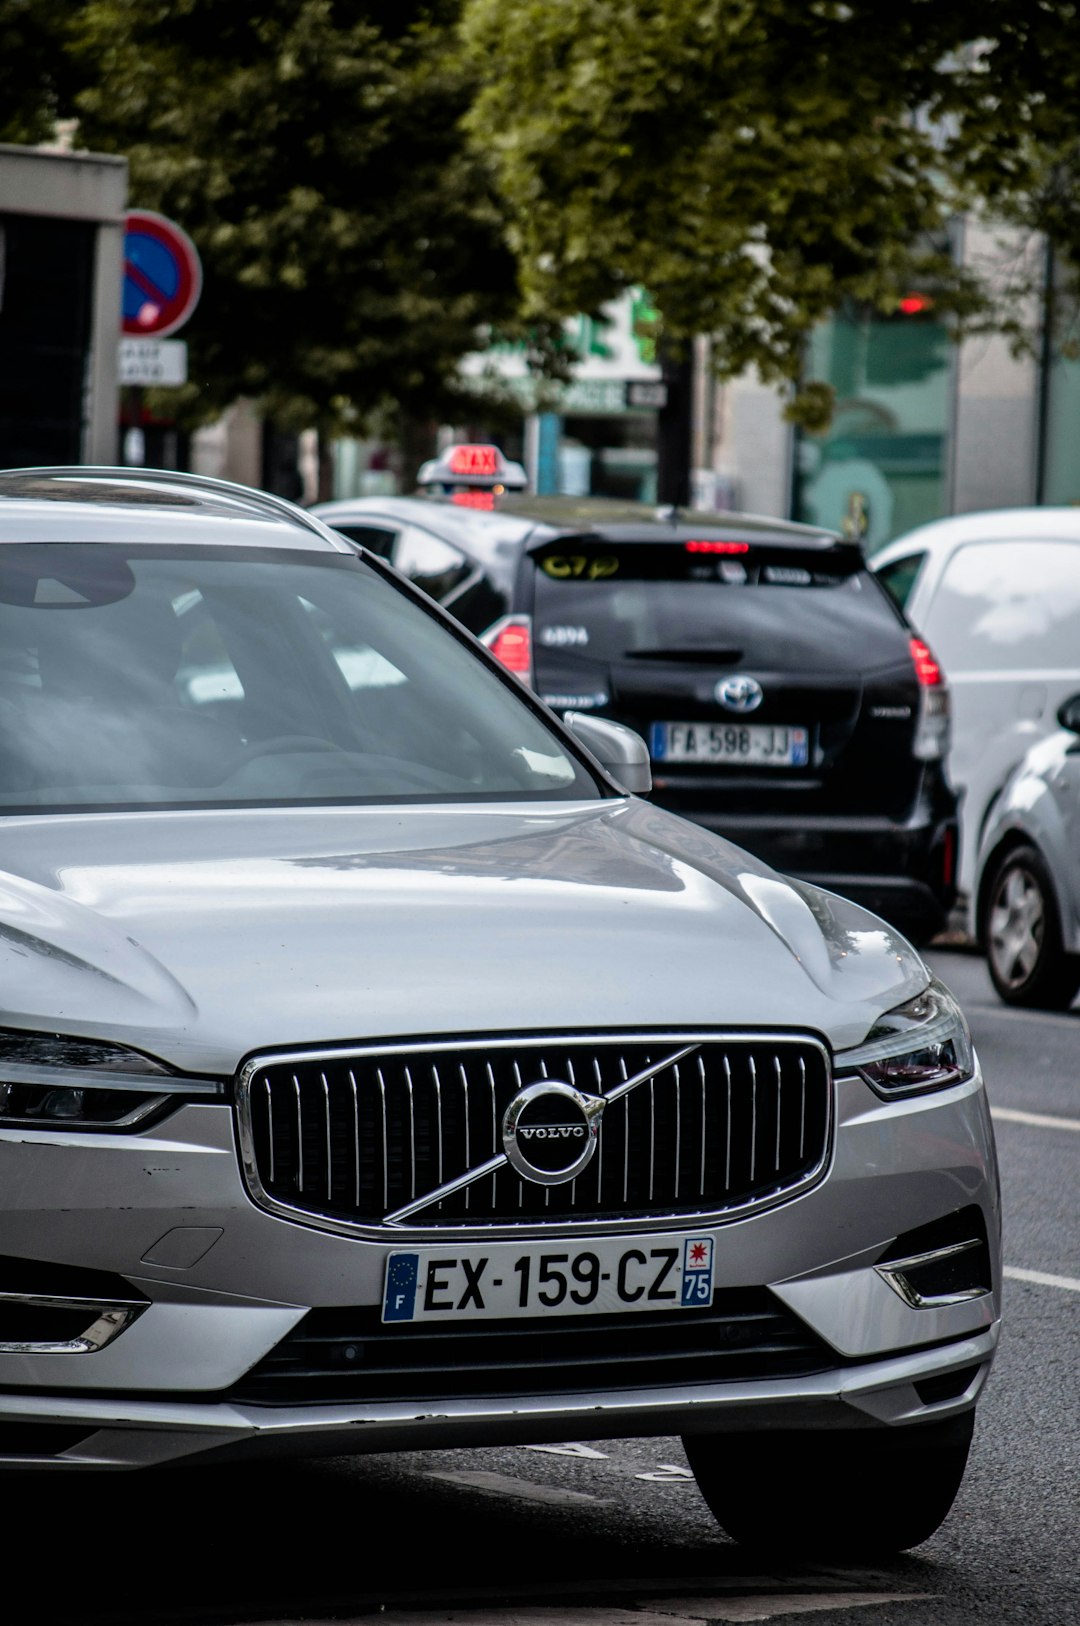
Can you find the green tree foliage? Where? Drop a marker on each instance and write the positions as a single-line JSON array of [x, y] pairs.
[[37, 79], [758, 163], [351, 244]]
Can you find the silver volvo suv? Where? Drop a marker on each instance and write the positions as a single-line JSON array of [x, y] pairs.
[[373, 1053]]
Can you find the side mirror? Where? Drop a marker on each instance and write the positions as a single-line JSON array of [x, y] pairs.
[[1068, 714], [618, 750]]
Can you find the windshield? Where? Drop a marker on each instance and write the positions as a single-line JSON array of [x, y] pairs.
[[214, 677], [782, 607]]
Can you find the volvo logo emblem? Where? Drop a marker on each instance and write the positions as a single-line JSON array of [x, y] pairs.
[[549, 1131], [739, 693]]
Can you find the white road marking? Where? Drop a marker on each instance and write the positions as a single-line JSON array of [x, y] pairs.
[[668, 1612], [774, 1608], [569, 1450], [1042, 1278], [667, 1473], [521, 1489], [1037, 1120]]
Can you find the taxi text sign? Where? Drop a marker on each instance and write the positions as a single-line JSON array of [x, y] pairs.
[[162, 276]]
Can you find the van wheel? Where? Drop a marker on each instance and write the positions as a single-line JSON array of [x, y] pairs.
[[845, 1495], [1024, 948]]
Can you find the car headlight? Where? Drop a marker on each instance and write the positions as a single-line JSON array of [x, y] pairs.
[[921, 1045], [52, 1081]]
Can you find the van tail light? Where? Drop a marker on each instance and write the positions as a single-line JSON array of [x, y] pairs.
[[510, 641], [931, 740]]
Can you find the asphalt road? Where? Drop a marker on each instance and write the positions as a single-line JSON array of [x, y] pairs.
[[617, 1535]]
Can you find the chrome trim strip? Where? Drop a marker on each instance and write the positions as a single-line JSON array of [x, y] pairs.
[[387, 1233], [894, 1274], [95, 1078], [109, 1318], [9, 1120]]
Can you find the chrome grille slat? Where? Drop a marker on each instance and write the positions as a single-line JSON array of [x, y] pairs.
[[412, 1133], [715, 1124], [329, 1147], [704, 1124], [468, 1143], [385, 1139], [299, 1137], [356, 1140], [270, 1126]]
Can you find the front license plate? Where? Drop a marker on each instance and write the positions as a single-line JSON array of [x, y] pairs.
[[602, 1276], [759, 745]]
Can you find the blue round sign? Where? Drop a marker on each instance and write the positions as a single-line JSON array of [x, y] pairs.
[[162, 276]]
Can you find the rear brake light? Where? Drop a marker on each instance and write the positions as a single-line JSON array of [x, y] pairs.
[[932, 729], [510, 641], [927, 670], [717, 547]]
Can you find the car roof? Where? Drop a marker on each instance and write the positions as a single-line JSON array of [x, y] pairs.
[[518, 520], [941, 536], [83, 503]]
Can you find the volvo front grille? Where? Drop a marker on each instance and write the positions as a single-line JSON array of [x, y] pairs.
[[415, 1136]]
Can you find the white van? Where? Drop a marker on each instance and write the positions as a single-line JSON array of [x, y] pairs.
[[997, 597]]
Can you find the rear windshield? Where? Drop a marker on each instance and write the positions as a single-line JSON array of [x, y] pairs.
[[676, 600]]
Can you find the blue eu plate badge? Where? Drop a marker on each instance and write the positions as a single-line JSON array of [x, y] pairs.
[[400, 1301]]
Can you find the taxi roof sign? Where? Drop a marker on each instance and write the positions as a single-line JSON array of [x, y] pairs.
[[472, 466]]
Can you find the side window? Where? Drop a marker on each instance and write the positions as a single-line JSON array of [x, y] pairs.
[[1004, 606], [432, 564], [899, 577]]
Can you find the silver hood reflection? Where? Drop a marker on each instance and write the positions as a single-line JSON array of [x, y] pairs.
[[201, 936]]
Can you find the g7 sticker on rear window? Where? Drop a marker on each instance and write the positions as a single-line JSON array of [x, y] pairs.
[[589, 567]]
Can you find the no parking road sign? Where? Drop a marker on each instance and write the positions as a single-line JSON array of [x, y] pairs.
[[162, 276]]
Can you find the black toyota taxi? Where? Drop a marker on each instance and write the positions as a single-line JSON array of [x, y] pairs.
[[786, 702]]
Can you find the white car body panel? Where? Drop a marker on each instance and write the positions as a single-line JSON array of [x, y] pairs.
[[997, 714]]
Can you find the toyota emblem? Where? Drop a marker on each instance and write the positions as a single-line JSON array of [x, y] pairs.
[[739, 693]]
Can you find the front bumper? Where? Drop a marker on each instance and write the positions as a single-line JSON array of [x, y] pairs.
[[133, 1433], [224, 1282]]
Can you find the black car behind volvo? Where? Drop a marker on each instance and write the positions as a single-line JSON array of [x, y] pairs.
[[786, 703]]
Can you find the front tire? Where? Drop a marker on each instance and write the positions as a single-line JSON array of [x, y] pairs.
[[1025, 951], [850, 1495]]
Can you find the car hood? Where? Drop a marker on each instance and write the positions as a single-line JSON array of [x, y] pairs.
[[202, 936]]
